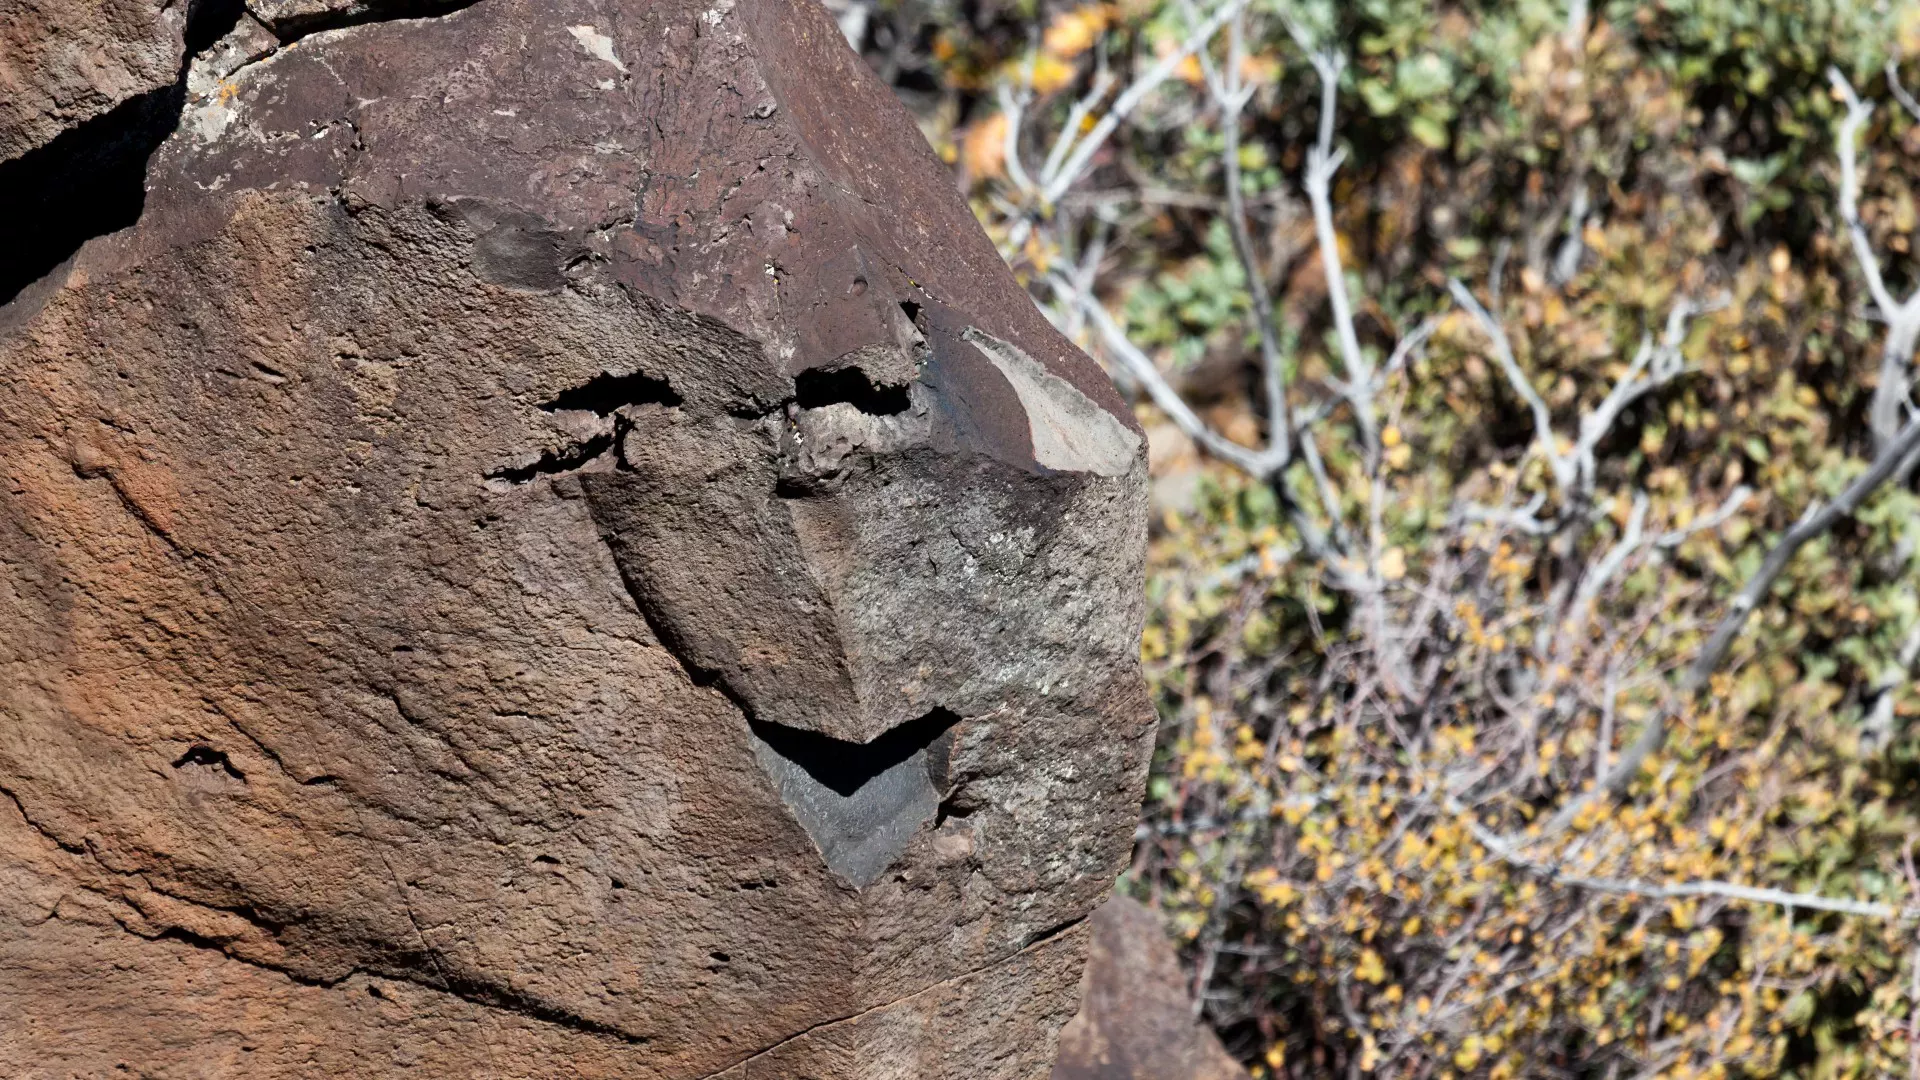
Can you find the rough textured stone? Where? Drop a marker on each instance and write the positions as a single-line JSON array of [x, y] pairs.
[[64, 62], [554, 541], [1136, 1018]]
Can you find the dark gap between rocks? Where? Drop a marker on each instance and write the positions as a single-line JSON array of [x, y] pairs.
[[557, 461], [861, 803], [89, 181], [207, 22], [292, 29]]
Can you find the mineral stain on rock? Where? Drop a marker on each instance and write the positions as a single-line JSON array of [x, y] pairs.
[[538, 539]]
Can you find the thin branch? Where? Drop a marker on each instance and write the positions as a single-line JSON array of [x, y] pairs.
[[1261, 465], [1566, 262], [1731, 891], [1323, 161], [1720, 516], [1411, 345], [1661, 364], [1013, 107], [1609, 565], [1232, 98], [1074, 162], [1505, 851], [1900, 93], [1503, 354], [1077, 118]]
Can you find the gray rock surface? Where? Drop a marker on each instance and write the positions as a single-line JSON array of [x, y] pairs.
[[552, 546]]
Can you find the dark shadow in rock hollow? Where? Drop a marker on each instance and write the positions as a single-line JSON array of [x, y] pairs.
[[860, 802], [89, 181]]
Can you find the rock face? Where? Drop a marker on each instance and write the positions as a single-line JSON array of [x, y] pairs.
[[1136, 1019], [551, 546]]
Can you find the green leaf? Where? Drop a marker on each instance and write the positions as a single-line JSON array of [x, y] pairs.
[[1428, 131]]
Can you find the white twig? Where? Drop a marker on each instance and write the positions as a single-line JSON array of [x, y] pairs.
[[1074, 162], [1505, 851], [1890, 397], [1323, 161], [1654, 365], [1232, 98], [1260, 464], [1720, 516], [1609, 565], [1076, 119], [1576, 35], [1013, 107], [1900, 93], [1566, 262], [1562, 467]]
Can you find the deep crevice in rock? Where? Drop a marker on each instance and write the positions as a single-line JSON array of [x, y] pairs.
[[472, 991], [293, 28], [815, 388], [606, 392], [861, 803], [207, 22], [89, 181], [554, 462]]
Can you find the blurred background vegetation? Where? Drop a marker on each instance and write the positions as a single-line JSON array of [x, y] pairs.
[[1441, 532]]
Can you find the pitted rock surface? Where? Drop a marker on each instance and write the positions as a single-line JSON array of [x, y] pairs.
[[551, 545]]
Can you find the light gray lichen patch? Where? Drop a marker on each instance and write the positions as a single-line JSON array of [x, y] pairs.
[[1070, 431]]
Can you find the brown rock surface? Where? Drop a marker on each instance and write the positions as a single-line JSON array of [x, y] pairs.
[[1136, 1019], [64, 62], [553, 546]]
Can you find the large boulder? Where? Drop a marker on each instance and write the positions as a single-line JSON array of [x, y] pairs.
[[553, 547]]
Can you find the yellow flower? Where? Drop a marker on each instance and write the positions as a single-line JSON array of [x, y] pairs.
[[1370, 969], [985, 148], [1393, 564], [1074, 32]]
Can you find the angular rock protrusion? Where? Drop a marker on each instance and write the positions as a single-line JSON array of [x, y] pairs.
[[65, 63], [1136, 1019], [552, 540]]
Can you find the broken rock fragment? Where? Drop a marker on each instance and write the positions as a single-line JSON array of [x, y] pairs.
[[548, 543]]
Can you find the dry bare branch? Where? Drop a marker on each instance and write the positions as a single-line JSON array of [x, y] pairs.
[[1891, 396], [1074, 162]]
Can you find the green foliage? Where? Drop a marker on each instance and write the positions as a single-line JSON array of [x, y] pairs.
[[1329, 771]]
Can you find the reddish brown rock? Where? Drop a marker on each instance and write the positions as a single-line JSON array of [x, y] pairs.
[[1136, 1020], [553, 546]]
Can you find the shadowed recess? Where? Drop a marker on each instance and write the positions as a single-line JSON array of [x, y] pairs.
[[605, 392], [860, 802], [89, 181], [845, 767], [816, 389]]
